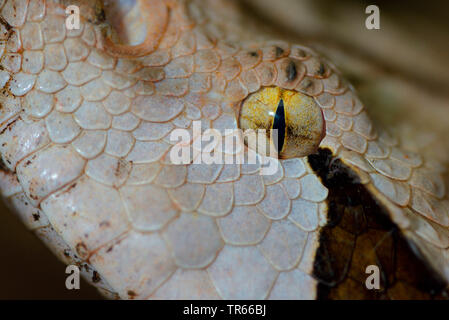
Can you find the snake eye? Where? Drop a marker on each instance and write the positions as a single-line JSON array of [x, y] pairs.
[[293, 123]]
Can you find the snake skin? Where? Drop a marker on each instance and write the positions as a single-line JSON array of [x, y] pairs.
[[84, 140]]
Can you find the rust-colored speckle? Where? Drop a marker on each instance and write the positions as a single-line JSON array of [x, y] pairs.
[[81, 249]]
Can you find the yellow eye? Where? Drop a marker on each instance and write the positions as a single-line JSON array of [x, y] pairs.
[[297, 118]]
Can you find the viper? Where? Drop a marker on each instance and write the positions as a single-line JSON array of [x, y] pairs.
[[86, 119]]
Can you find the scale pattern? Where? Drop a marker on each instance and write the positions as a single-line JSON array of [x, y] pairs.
[[85, 138]]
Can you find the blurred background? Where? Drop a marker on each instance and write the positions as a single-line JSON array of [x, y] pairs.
[[400, 71]]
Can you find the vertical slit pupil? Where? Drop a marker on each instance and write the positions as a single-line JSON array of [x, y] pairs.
[[279, 124]]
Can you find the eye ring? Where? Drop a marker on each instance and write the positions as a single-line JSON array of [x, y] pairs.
[[297, 115]]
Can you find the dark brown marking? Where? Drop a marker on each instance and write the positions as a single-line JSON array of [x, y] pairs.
[[321, 70], [254, 54], [291, 71], [3, 166], [131, 294], [5, 23], [36, 216], [96, 277], [10, 125], [279, 52], [73, 185]]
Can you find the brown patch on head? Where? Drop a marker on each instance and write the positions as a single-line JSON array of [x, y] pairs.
[[359, 233]]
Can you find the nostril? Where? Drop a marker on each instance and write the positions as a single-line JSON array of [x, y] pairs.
[[138, 26], [127, 21]]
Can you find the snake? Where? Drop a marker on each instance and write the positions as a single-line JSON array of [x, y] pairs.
[[87, 119]]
